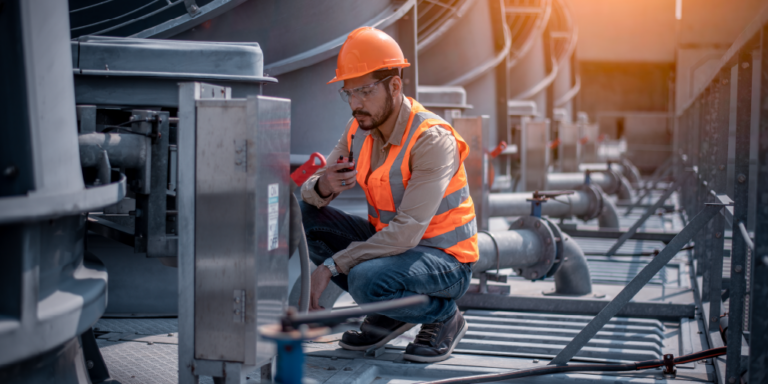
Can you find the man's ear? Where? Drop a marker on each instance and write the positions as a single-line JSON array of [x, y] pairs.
[[396, 86]]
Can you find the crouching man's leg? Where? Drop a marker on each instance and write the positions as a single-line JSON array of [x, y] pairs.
[[421, 270], [330, 230]]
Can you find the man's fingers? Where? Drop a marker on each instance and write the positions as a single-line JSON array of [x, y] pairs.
[[339, 166]]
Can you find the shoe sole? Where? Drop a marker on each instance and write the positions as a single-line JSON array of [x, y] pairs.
[[433, 359], [397, 332]]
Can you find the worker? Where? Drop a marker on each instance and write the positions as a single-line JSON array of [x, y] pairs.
[[421, 234]]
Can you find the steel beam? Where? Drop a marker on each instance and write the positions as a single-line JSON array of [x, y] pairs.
[[634, 286], [648, 189], [651, 235], [674, 187]]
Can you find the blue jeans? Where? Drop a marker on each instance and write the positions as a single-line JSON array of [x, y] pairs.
[[420, 270]]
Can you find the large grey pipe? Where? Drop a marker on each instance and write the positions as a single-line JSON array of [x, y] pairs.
[[516, 204], [517, 249], [610, 181], [125, 150], [586, 203], [533, 251]]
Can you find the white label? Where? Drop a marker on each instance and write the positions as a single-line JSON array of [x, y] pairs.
[[273, 209]]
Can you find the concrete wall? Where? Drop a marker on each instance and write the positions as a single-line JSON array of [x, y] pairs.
[[625, 31], [623, 86]]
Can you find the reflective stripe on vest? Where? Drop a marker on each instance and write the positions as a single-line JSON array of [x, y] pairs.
[[453, 228]]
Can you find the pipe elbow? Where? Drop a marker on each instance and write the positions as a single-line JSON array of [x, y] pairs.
[[573, 277], [625, 189], [609, 217]]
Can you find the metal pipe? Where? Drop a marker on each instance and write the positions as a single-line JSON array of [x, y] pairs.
[[609, 181], [573, 276], [517, 249], [124, 150], [298, 240], [516, 204]]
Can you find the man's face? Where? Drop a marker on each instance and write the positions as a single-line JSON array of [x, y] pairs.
[[373, 105]]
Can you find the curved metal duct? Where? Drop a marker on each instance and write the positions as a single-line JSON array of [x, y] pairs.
[[530, 58], [436, 17], [564, 35], [467, 54]]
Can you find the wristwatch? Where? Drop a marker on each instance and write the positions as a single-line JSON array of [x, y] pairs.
[[331, 265]]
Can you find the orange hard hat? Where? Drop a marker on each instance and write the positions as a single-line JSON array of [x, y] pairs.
[[366, 50]]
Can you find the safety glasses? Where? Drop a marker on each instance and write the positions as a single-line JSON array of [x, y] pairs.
[[360, 93]]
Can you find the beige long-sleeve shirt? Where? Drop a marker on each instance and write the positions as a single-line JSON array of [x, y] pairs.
[[434, 161]]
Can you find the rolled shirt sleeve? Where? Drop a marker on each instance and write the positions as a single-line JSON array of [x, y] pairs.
[[434, 161]]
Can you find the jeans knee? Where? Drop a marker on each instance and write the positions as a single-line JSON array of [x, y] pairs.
[[366, 283]]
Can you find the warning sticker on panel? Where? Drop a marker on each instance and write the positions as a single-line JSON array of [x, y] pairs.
[[273, 205]]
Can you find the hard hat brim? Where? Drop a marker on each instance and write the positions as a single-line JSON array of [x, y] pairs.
[[358, 74]]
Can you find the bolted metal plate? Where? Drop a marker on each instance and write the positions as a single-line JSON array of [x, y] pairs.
[[540, 227]]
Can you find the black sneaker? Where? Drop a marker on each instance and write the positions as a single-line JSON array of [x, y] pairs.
[[436, 341], [375, 332]]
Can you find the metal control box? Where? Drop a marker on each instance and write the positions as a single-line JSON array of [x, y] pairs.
[[235, 156]]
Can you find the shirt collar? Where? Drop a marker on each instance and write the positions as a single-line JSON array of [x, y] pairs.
[[402, 121]]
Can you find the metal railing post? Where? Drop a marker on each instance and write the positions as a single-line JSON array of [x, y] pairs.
[[718, 143], [740, 212], [758, 310]]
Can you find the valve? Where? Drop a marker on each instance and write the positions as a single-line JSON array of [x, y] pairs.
[[540, 197]]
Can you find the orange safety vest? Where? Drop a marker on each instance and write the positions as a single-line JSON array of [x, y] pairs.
[[453, 228]]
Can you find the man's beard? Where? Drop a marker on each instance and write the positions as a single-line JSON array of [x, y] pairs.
[[378, 120]]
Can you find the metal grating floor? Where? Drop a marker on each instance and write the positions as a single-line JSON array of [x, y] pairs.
[[145, 350]]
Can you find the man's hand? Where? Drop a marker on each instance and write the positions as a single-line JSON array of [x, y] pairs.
[[320, 279], [331, 181]]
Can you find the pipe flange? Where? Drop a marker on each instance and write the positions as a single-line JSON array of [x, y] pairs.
[[559, 248], [595, 201], [549, 247]]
